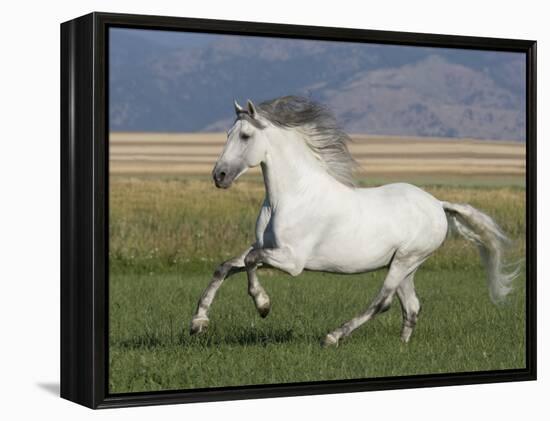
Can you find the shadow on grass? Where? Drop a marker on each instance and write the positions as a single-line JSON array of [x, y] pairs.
[[245, 337], [255, 336]]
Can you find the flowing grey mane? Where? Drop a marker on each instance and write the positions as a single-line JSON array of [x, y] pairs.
[[322, 133]]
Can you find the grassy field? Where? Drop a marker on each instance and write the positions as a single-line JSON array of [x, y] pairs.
[[166, 238]]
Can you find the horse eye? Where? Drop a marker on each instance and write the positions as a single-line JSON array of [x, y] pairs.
[[244, 136]]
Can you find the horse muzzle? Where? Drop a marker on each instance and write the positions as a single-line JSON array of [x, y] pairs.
[[223, 177]]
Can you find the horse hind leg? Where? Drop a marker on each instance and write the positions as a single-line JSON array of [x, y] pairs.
[[381, 302], [410, 306], [399, 270]]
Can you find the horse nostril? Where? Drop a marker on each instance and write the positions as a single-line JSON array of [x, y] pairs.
[[221, 175]]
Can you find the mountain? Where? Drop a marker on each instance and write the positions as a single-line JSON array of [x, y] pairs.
[[159, 84]]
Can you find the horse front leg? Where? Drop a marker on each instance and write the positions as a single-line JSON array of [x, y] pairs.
[[200, 320], [258, 294], [279, 258]]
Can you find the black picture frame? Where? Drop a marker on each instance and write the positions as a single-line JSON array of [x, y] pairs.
[[84, 209]]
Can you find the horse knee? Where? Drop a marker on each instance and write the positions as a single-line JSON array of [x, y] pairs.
[[252, 258]]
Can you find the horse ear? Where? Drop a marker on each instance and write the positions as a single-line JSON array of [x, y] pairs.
[[238, 108], [251, 109]]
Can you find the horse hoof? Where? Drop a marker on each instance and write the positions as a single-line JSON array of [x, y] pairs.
[[198, 325], [263, 305], [264, 310], [329, 340]]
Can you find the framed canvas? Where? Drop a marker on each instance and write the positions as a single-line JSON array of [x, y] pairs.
[[336, 181]]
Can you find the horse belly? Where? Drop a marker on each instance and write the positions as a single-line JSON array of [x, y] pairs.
[[350, 255]]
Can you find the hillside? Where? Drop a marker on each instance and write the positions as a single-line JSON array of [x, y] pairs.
[[393, 90]]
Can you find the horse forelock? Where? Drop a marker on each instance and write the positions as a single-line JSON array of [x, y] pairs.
[[245, 115]]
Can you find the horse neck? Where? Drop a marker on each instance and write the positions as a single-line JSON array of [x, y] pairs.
[[290, 169]]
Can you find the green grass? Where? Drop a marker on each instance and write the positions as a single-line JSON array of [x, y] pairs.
[[166, 239], [459, 330]]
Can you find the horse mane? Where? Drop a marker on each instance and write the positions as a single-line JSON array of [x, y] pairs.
[[322, 134]]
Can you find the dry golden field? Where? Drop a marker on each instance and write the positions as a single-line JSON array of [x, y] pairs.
[[195, 154]]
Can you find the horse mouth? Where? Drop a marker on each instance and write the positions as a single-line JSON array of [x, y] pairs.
[[223, 184]]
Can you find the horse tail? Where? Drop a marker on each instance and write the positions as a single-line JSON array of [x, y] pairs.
[[482, 230]]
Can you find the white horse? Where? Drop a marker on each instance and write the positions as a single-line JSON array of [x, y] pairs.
[[314, 218]]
